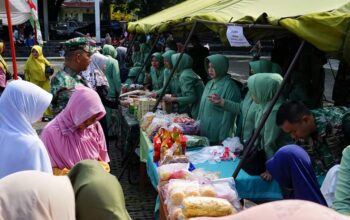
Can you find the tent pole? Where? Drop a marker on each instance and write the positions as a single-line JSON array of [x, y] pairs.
[[147, 59], [128, 51], [13, 50], [175, 67], [268, 111]]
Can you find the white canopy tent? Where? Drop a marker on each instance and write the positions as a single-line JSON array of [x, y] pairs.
[[20, 12], [16, 12]]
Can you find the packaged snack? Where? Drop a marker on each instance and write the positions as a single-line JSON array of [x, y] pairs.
[[207, 191], [173, 171], [196, 141], [147, 120], [168, 159], [206, 206]]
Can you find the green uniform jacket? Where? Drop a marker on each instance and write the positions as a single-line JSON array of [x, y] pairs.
[[174, 85], [98, 194], [191, 86], [216, 122], [262, 87], [113, 76], [264, 66], [246, 109], [109, 50], [342, 193]]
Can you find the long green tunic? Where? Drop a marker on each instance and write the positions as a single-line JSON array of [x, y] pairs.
[[216, 122], [98, 194], [113, 116], [263, 87], [342, 193], [174, 84], [157, 75], [246, 109], [191, 85]]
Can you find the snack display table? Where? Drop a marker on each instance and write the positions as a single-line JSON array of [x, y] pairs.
[[248, 187]]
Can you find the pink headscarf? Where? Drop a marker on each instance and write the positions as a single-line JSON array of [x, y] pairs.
[[65, 142], [286, 210]]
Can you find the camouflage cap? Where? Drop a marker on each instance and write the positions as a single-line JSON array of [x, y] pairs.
[[79, 43]]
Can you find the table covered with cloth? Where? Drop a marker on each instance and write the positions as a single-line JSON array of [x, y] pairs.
[[248, 187]]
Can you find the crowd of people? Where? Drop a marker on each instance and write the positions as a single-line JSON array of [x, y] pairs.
[[299, 143]]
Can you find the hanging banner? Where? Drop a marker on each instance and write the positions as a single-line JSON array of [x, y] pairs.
[[236, 37], [34, 21]]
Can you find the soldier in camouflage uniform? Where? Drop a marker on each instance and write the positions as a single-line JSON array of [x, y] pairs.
[[77, 59], [321, 132]]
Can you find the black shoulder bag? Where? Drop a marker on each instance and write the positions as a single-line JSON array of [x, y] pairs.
[[254, 163], [7, 73]]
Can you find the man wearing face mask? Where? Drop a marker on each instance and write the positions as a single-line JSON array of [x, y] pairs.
[[77, 59]]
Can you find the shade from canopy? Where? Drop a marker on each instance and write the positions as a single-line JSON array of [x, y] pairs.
[[323, 23]]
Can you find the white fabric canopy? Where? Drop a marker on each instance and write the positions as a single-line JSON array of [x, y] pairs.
[[20, 12]]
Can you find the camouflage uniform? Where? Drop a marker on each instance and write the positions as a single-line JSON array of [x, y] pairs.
[[62, 85], [326, 145], [64, 81]]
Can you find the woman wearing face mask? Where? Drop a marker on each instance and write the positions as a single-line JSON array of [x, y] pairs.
[[75, 134], [35, 72], [216, 122]]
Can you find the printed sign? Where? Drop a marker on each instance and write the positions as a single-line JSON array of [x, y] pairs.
[[236, 37]]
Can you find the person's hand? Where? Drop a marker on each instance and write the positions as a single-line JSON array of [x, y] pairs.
[[216, 100], [266, 176], [152, 94], [169, 99]]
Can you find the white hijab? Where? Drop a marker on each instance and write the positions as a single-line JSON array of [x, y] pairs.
[[22, 104], [34, 195], [94, 74]]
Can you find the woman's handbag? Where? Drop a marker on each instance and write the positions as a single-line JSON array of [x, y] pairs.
[[8, 74], [254, 163], [48, 71]]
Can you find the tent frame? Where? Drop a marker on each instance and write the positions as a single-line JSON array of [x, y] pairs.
[[147, 58], [286, 77], [12, 43]]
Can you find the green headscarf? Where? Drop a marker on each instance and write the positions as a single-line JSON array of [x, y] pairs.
[[263, 86], [98, 194], [109, 50], [186, 61], [220, 64], [167, 55], [159, 58], [133, 71], [264, 66]]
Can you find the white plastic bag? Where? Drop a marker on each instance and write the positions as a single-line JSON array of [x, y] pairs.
[[329, 185], [233, 143]]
